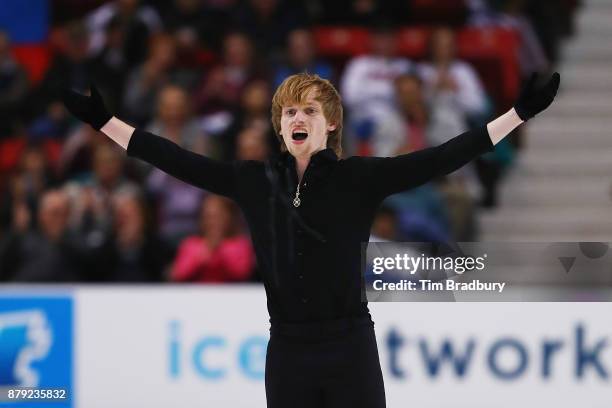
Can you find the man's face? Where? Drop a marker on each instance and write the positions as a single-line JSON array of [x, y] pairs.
[[304, 127], [172, 105], [443, 45], [53, 214], [408, 92], [301, 49], [252, 145]]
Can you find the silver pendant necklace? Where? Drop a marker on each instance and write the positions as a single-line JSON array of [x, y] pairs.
[[296, 200]]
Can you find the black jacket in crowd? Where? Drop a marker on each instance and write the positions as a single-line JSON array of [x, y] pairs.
[[310, 263]]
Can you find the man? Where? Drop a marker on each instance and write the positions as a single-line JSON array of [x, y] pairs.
[[368, 94], [51, 253], [308, 213]]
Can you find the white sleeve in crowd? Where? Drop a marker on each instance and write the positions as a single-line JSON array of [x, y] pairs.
[[351, 86], [119, 131], [503, 125], [471, 94]]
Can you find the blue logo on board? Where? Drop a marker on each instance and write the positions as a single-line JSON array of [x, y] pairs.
[[36, 345]]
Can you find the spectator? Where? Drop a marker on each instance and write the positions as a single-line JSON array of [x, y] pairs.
[[49, 254], [32, 178], [196, 29], [221, 88], [139, 22], [455, 95], [134, 254], [422, 214], [92, 212], [110, 63], [532, 57], [177, 207], [253, 144], [77, 153], [222, 253], [195, 24], [452, 86], [178, 203], [457, 99], [405, 122], [384, 227], [368, 94], [175, 122], [510, 14], [253, 112], [301, 55], [414, 112], [53, 124], [70, 68], [13, 89], [145, 82], [268, 23], [459, 210]]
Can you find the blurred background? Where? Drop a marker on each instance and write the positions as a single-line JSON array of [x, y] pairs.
[[412, 74]]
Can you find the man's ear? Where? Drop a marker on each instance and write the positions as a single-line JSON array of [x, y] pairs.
[[331, 127]]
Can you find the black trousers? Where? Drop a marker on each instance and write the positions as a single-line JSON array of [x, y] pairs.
[[311, 367]]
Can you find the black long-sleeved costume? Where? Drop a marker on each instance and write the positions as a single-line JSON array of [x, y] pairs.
[[338, 199]]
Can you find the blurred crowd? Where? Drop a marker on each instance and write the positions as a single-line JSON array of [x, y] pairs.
[[202, 73]]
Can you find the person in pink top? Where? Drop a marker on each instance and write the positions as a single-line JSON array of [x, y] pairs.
[[221, 253]]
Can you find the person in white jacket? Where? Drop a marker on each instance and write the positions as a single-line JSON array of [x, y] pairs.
[[367, 89], [452, 87]]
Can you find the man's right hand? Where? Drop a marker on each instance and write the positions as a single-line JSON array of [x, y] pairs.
[[89, 109]]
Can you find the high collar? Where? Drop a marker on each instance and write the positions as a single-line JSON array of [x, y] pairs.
[[321, 163], [324, 156]]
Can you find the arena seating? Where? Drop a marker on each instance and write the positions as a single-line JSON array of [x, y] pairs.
[[491, 51]]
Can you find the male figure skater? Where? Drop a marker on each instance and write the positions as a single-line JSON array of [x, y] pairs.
[[308, 212]]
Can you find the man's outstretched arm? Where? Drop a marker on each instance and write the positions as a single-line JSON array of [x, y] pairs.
[[389, 175], [192, 168]]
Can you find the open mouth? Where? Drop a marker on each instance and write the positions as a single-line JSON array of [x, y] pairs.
[[299, 135]]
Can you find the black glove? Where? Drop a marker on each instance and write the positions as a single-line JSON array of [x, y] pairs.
[[89, 109], [532, 101]]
